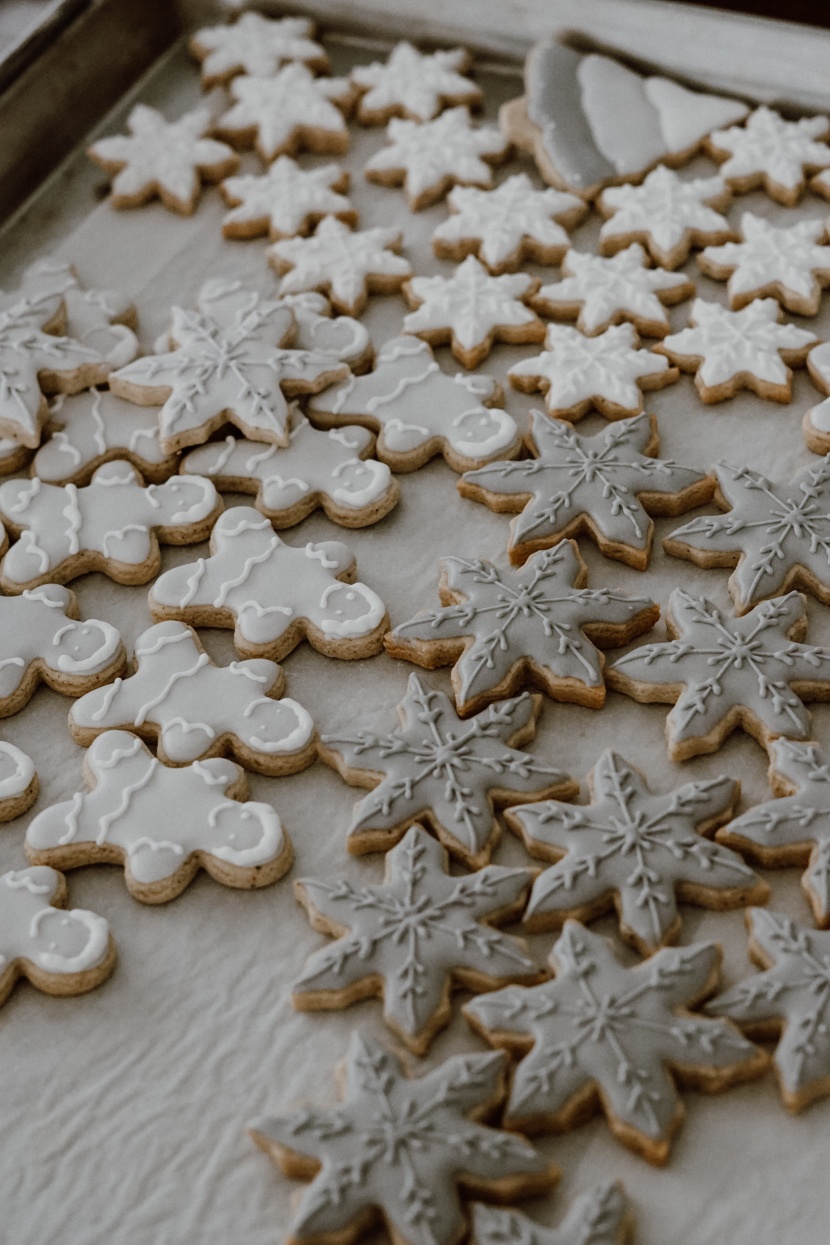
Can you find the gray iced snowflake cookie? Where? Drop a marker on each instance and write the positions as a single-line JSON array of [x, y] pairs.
[[290, 112], [601, 1036], [414, 84], [786, 263], [605, 486], [598, 1217], [346, 265], [257, 46], [450, 775], [636, 852], [91, 428], [501, 629], [286, 200], [721, 673], [163, 159], [414, 938], [178, 696], [770, 152], [777, 536], [402, 1150]]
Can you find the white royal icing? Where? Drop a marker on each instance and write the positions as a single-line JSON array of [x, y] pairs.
[[56, 941], [255, 45], [788, 258], [433, 155], [284, 200], [94, 426], [772, 152], [340, 261], [414, 84], [92, 315], [282, 109], [471, 304], [668, 214], [17, 770]]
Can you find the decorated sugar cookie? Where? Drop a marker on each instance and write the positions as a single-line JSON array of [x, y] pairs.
[[101, 319], [257, 46], [285, 200], [771, 152], [18, 782], [816, 422], [319, 332], [347, 266], [289, 112], [414, 84], [598, 1217], [94, 427], [786, 263]]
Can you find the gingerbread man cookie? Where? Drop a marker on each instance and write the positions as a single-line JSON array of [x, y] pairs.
[[290, 112], [257, 46], [414, 84], [786, 263], [771, 152], [91, 428], [347, 266], [318, 332], [18, 782], [598, 1217], [286, 200]]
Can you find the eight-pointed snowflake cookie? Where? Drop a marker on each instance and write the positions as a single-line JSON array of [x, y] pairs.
[[195, 709], [771, 152], [500, 629], [414, 84], [164, 159], [634, 851], [290, 112], [413, 938], [274, 595], [286, 200], [92, 428], [507, 226], [605, 486], [721, 673], [19, 785], [598, 1217], [450, 775], [427, 158], [578, 373], [786, 263], [601, 1036], [257, 46]]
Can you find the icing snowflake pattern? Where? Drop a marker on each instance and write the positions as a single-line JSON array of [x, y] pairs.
[[285, 201], [289, 112], [598, 1217], [257, 46], [667, 214], [785, 262], [412, 84], [771, 152], [344, 264]]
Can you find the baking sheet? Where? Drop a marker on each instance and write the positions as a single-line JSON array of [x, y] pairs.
[[124, 1111]]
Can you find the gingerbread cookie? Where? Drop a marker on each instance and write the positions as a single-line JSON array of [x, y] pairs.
[[318, 332], [195, 709], [771, 152], [414, 84], [598, 1217], [606, 486], [578, 373], [430, 157], [346, 265], [602, 1036], [721, 673], [163, 159], [290, 112], [103, 320], [286, 200], [13, 458], [786, 263], [274, 595], [91, 428], [59, 952], [413, 939], [419, 411], [18, 782], [448, 774], [257, 46], [500, 629]]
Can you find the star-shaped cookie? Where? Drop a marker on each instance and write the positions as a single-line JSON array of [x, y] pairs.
[[290, 112], [257, 46], [285, 200], [782, 262], [598, 1217], [770, 152], [414, 84], [346, 265]]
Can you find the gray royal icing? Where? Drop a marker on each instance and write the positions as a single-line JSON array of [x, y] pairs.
[[598, 1217], [436, 154], [280, 109], [473, 305], [257, 46], [282, 201], [339, 260], [773, 150], [93, 426], [54, 940], [415, 84]]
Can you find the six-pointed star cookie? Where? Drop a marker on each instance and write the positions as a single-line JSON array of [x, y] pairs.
[[508, 225], [732, 350], [257, 46], [598, 1217], [428, 158], [91, 428], [168, 159], [667, 214], [443, 772], [346, 265], [414, 84], [606, 372], [502, 628], [402, 1150], [605, 486], [602, 1036], [771, 152], [471, 310], [791, 998], [289, 112], [786, 263], [777, 536], [413, 938], [721, 673], [286, 200], [599, 292], [635, 851]]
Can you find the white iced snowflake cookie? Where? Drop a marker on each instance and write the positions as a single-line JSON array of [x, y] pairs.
[[471, 310], [598, 1217], [414, 84], [164, 159], [428, 158], [274, 595], [257, 46], [113, 525], [419, 411], [816, 422], [771, 152], [606, 372], [94, 427], [786, 263], [666, 214], [732, 350], [163, 824], [290, 112], [285, 200], [195, 709], [345, 265], [18, 782]]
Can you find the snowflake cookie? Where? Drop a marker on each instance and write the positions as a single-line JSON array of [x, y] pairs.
[[195, 709], [414, 84], [347, 266], [605, 486], [402, 1150], [164, 159], [598, 1217], [59, 951], [816, 422], [18, 782], [448, 774], [428, 158], [257, 46], [601, 1036], [290, 112], [274, 595], [501, 628], [721, 673], [599, 292], [331, 469], [577, 373], [91, 428], [732, 350], [414, 938], [507, 226], [771, 152], [776, 535], [286, 200], [634, 851], [471, 310], [113, 525], [419, 411], [786, 263]]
